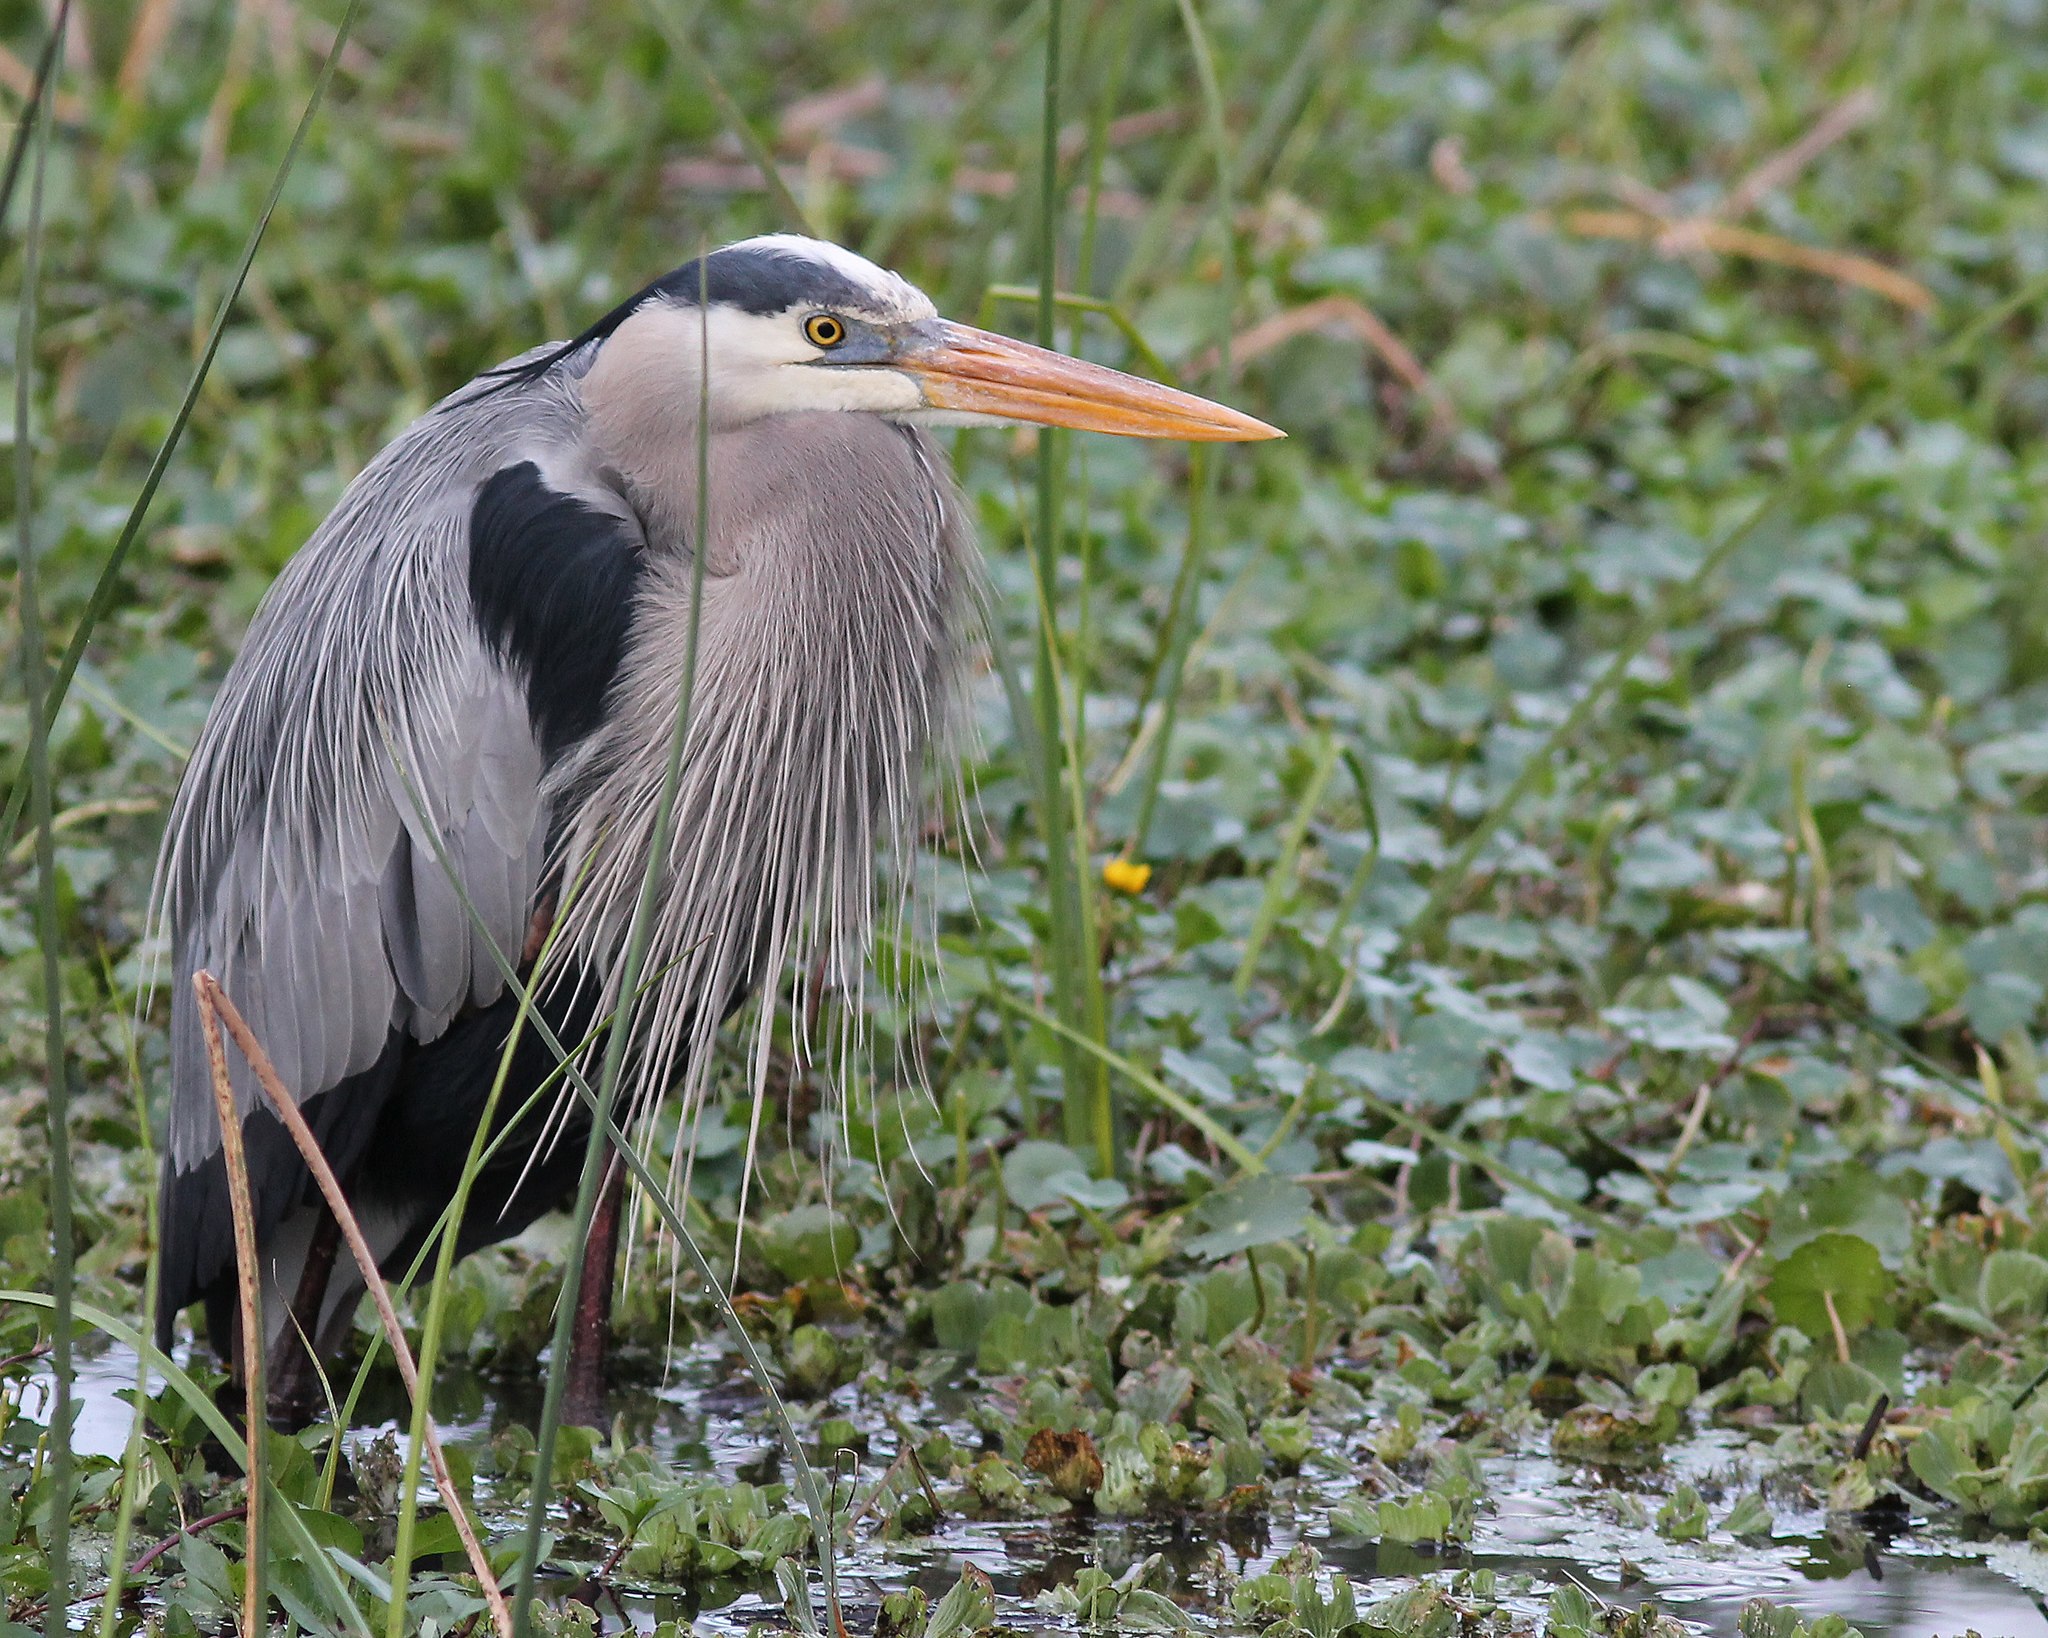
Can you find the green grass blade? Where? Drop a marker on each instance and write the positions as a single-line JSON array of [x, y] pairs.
[[677, 32], [1218, 1134], [1361, 878], [1319, 54], [639, 935], [1177, 637], [1476, 1157], [131, 1455], [32, 112], [35, 682], [568, 1064], [447, 1232], [1280, 877], [200, 1403], [1069, 957]]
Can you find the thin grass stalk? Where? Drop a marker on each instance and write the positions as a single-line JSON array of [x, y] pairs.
[[677, 33], [1290, 94], [448, 1222], [103, 590], [1102, 1112], [31, 113], [1069, 956], [1157, 230], [1103, 109], [1030, 1112], [1203, 469], [447, 1232], [806, 1476], [568, 1065], [1226, 1141], [249, 1297], [131, 1455], [430, 1247], [35, 682], [1280, 877], [307, 1551], [1361, 875], [1104, 1108], [965, 275], [1168, 660], [443, 1241], [1100, 1105], [1077, 302], [216, 1009], [1666, 612], [640, 933], [1479, 1159]]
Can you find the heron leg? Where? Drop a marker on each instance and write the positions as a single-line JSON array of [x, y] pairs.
[[584, 1395], [294, 1385]]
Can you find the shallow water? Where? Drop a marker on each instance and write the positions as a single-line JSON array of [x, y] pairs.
[[1547, 1524]]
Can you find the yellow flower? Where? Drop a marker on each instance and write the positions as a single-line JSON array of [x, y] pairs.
[[1126, 875]]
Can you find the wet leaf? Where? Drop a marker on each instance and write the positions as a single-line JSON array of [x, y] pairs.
[[1842, 1273], [1259, 1210]]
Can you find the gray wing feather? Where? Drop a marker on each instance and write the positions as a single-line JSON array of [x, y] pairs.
[[300, 863]]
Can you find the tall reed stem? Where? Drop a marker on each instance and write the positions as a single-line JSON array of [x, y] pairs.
[[35, 683], [1084, 1114], [1183, 617], [639, 936]]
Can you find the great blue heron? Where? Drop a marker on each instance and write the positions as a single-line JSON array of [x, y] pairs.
[[472, 671]]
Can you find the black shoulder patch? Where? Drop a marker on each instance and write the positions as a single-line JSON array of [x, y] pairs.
[[552, 582]]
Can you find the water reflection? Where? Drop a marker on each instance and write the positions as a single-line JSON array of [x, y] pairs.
[[1547, 1522]]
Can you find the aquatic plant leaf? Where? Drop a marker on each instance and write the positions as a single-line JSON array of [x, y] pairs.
[[1684, 1516], [1417, 1518], [1590, 1434], [1833, 1270], [969, 1606], [1036, 1174], [1943, 1460], [2013, 1286], [1851, 1200], [809, 1243], [1750, 1517], [1839, 1391], [1259, 1210]]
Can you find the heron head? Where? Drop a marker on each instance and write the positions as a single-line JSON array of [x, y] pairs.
[[791, 324]]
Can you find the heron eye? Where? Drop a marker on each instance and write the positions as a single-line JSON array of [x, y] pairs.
[[823, 330]]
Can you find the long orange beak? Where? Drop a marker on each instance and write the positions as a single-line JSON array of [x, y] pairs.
[[977, 372]]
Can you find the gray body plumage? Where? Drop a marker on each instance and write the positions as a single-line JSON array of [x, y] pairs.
[[370, 717]]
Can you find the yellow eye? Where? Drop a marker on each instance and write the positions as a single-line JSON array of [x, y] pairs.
[[823, 330]]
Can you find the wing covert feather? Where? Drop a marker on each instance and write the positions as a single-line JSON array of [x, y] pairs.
[[367, 718]]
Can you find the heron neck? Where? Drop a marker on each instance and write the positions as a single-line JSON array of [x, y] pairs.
[[827, 652]]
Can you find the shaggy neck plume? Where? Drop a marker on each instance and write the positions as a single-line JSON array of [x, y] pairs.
[[827, 656]]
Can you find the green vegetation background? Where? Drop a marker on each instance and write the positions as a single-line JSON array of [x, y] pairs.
[[1596, 915]]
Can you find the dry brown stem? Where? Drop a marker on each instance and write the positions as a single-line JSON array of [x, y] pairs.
[[214, 1002], [1347, 316], [236, 1160], [1844, 267]]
